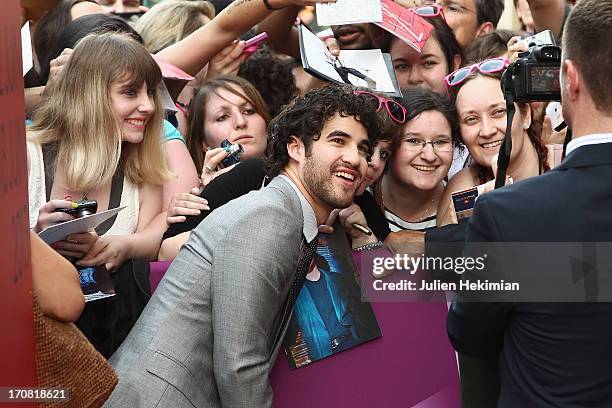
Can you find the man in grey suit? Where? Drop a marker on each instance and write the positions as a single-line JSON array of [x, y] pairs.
[[211, 331]]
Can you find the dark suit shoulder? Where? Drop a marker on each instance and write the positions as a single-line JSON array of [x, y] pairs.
[[528, 189], [532, 205]]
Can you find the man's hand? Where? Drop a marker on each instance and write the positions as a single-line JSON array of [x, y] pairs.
[[348, 218], [111, 251]]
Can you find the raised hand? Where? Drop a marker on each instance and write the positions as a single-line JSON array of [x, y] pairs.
[[184, 204], [228, 60]]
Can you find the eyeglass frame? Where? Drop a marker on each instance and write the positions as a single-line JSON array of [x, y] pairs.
[[475, 66], [382, 101], [457, 5], [424, 144]]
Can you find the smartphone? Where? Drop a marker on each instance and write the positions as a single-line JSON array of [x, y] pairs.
[[553, 111], [252, 44]]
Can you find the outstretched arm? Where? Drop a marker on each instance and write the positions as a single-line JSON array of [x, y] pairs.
[[283, 37], [192, 53]]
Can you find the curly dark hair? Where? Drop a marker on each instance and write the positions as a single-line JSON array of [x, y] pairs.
[[272, 76], [306, 116]]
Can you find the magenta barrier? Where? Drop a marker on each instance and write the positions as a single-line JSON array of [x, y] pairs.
[[411, 365]]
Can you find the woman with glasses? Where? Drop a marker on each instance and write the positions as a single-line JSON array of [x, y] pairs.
[[481, 110], [412, 184]]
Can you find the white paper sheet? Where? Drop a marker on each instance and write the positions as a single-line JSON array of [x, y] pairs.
[[349, 12], [60, 231], [26, 48], [368, 62]]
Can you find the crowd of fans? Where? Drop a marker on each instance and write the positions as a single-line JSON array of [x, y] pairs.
[[99, 129]]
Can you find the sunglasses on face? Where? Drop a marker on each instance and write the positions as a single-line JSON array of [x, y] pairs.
[[488, 66], [396, 111]]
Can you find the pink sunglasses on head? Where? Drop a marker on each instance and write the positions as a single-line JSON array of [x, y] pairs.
[[488, 66], [430, 11], [396, 111]]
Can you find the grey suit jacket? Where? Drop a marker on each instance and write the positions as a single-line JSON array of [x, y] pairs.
[[211, 331]]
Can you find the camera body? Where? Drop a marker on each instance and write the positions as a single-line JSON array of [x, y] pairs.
[[81, 208], [234, 150], [545, 37], [535, 75]]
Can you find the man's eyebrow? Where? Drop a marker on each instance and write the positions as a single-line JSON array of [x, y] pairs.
[[337, 133]]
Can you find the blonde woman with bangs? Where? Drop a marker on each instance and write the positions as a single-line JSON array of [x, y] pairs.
[[97, 137]]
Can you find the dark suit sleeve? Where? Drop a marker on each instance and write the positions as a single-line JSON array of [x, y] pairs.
[[477, 328], [253, 266]]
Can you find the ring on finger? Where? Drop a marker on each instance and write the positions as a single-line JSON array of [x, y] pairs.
[[208, 169]]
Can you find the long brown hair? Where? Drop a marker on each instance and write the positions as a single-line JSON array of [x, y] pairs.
[[196, 134], [78, 122]]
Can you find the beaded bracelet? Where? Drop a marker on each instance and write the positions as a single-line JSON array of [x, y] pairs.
[[367, 247]]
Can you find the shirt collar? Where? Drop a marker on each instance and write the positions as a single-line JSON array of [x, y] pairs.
[[588, 140], [310, 228]]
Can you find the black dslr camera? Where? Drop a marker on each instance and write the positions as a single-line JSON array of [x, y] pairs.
[[81, 208], [535, 75]]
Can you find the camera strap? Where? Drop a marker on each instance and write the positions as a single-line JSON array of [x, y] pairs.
[[503, 158]]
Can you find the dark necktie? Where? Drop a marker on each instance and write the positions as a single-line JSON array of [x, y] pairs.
[[303, 267]]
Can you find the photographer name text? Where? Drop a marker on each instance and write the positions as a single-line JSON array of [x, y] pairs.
[[438, 285]]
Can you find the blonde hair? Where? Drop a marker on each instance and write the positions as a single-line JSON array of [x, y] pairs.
[[77, 119], [170, 21]]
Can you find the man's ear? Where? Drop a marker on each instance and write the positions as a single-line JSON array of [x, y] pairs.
[[296, 149], [571, 81], [485, 28]]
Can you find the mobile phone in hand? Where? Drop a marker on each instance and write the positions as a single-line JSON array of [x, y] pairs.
[[252, 44]]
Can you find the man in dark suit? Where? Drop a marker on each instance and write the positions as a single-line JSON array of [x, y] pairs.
[[554, 354]]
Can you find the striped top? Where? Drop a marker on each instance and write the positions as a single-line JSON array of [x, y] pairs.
[[397, 224]]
